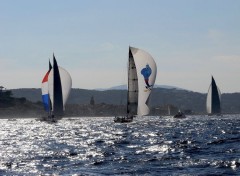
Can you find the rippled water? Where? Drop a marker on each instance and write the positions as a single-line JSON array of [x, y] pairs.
[[197, 145]]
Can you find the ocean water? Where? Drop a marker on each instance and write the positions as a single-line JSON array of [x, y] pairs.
[[197, 145]]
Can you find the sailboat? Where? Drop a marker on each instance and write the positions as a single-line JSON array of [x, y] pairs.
[[169, 110], [179, 115], [56, 87], [213, 102], [142, 71]]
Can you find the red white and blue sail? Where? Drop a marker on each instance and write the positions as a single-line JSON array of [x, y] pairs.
[[45, 91]]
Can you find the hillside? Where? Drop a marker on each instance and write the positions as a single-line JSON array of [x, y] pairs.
[[182, 99], [18, 107]]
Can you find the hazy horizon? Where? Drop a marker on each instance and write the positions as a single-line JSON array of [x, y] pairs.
[[117, 88], [189, 40]]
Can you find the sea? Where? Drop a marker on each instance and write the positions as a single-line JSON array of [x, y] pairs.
[[96, 146]]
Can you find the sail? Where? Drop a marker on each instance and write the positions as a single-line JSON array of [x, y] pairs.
[[213, 99], [209, 100], [66, 81], [145, 72], [45, 92], [59, 85]]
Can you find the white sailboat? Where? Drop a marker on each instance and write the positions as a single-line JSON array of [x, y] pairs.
[[56, 87], [142, 71], [213, 103]]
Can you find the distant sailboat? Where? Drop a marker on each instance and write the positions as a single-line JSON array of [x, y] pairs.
[[169, 110], [179, 115], [142, 72], [213, 99], [56, 87]]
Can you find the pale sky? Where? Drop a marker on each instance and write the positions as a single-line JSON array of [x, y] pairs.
[[190, 40]]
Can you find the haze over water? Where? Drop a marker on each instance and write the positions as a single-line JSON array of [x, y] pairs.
[[197, 145]]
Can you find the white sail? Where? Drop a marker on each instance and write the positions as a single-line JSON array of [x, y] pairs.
[[219, 94], [209, 100], [66, 84], [146, 72]]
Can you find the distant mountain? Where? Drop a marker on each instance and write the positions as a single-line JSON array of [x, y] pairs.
[[120, 87], [168, 87], [124, 87]]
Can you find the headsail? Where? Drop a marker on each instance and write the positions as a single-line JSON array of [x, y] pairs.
[[145, 72]]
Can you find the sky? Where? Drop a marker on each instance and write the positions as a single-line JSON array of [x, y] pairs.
[[190, 40]]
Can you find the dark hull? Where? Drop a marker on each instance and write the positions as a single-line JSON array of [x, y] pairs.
[[122, 119], [179, 116], [50, 119], [215, 114]]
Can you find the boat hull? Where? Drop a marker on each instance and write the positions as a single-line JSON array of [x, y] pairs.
[[122, 119], [179, 116]]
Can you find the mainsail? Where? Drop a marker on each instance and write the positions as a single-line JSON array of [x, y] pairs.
[[141, 78], [132, 97], [213, 99]]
